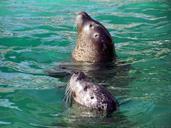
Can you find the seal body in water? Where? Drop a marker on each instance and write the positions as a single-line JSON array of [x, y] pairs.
[[94, 49], [90, 95], [94, 42]]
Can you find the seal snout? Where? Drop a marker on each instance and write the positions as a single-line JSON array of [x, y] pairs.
[[81, 18], [79, 75], [83, 15]]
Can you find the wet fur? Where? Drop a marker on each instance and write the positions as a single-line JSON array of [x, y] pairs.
[[90, 48], [84, 92]]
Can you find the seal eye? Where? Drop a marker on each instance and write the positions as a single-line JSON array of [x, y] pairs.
[[90, 25], [96, 35], [85, 88]]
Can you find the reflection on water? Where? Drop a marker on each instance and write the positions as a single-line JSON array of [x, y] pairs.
[[38, 35]]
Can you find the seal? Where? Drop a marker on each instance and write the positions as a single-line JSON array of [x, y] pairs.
[[90, 95], [94, 42], [94, 51]]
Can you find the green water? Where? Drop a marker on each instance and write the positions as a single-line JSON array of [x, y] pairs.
[[36, 35]]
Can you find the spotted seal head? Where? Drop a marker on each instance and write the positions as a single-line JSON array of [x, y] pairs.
[[94, 42], [90, 95]]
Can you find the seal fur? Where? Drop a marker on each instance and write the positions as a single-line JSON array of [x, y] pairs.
[[94, 43], [90, 95]]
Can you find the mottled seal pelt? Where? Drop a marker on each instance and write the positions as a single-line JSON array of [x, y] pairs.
[[94, 42], [90, 95], [94, 49]]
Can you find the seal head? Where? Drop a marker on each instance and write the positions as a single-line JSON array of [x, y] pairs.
[[94, 42], [90, 95]]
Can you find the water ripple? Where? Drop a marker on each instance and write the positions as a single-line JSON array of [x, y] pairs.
[[35, 36], [7, 104]]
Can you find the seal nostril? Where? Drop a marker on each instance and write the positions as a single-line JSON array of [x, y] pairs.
[[99, 109], [76, 72]]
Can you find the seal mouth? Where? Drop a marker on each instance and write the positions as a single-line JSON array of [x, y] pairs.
[[83, 20]]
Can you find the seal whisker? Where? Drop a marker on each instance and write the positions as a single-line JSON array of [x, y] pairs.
[[74, 27], [67, 97], [91, 95]]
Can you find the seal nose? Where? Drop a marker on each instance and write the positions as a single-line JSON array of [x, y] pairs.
[[80, 75], [82, 16]]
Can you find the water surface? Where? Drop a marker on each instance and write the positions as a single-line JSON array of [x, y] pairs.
[[37, 35]]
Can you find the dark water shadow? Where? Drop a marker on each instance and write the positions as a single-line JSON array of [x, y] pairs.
[[114, 76], [100, 72]]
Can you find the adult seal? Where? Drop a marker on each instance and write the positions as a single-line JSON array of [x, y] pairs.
[[94, 43], [90, 95]]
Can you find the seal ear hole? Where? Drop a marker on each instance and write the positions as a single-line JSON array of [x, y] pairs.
[[76, 72], [92, 97]]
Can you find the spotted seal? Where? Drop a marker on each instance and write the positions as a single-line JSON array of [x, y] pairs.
[[90, 95], [94, 43]]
